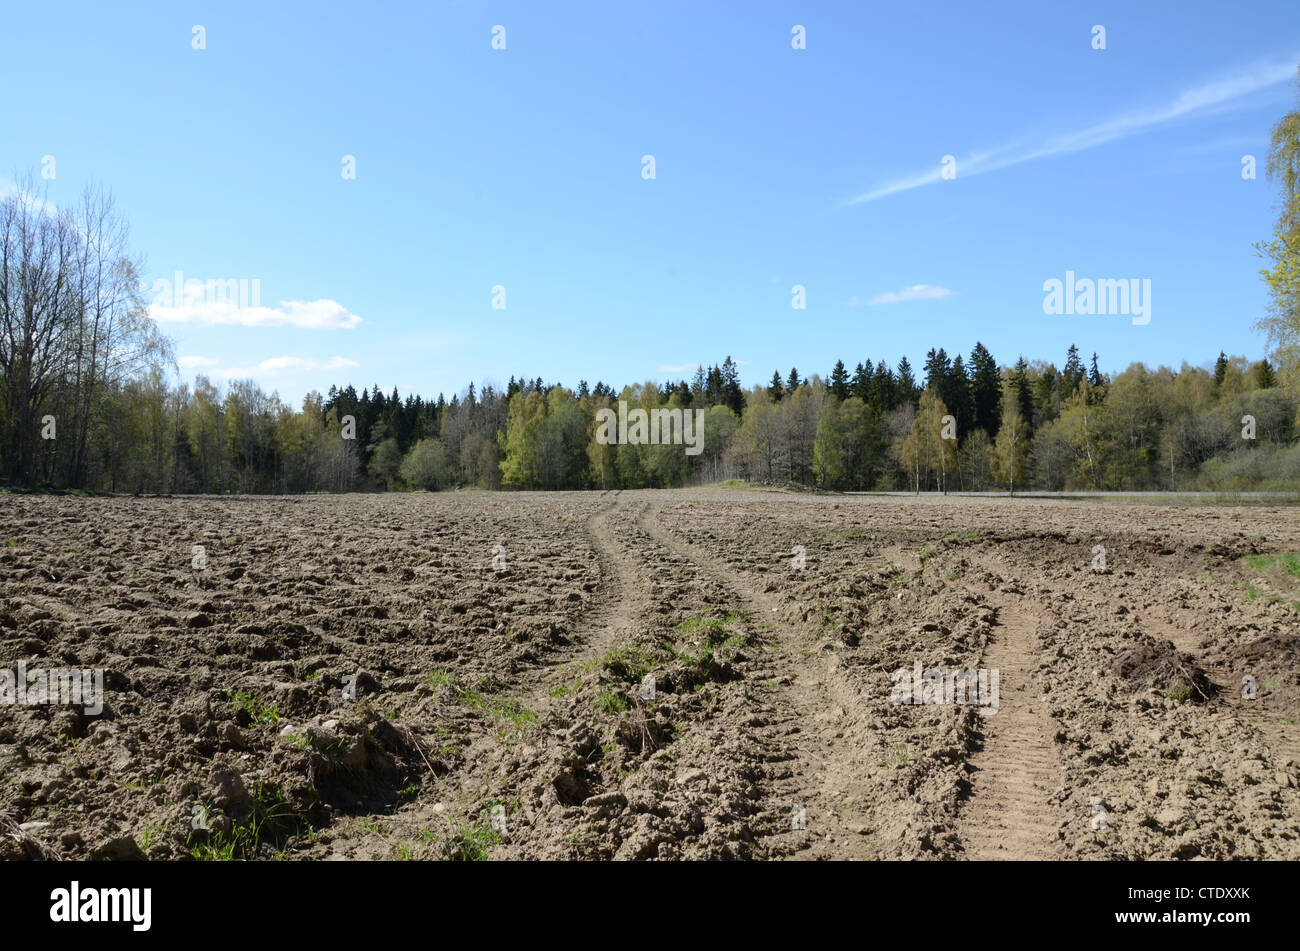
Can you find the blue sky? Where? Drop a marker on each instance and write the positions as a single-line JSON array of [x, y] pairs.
[[774, 167]]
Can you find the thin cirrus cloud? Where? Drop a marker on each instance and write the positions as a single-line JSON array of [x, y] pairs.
[[915, 292], [1209, 96], [272, 366], [304, 315]]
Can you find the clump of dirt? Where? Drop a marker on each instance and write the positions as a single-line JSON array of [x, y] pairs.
[[1155, 663], [1266, 670]]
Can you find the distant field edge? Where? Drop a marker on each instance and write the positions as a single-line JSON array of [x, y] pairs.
[[1290, 498]]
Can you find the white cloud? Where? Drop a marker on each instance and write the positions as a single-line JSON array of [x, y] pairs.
[[915, 292], [8, 188], [192, 362], [305, 315], [1208, 96], [277, 366]]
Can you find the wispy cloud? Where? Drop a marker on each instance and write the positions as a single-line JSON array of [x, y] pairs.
[[915, 292], [1200, 99], [305, 315], [273, 366]]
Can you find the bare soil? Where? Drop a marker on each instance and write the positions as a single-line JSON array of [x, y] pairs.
[[464, 675]]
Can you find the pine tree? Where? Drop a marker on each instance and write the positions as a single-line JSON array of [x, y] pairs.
[[1094, 375], [698, 386], [957, 397], [1072, 375], [861, 382], [714, 387], [792, 381], [885, 389], [1265, 378], [936, 369], [1047, 394], [774, 389], [1220, 368], [986, 390], [732, 395], [907, 389], [840, 381]]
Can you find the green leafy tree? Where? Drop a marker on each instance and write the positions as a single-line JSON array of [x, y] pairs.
[[1010, 452], [386, 462], [519, 441], [1281, 325], [426, 466]]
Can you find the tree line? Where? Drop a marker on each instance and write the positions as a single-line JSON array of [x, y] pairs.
[[88, 401]]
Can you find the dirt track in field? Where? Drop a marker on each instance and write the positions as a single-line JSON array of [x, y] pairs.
[[693, 674], [1014, 768]]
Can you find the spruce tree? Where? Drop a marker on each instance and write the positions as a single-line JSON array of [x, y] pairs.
[[907, 389], [957, 397], [1072, 375], [936, 369], [986, 390], [840, 381], [1220, 368], [861, 382], [884, 388], [732, 395], [774, 389]]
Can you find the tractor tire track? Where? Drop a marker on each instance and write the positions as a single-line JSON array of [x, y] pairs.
[[800, 727], [1013, 774]]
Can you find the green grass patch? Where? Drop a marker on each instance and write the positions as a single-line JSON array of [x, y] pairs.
[[259, 711], [565, 690], [612, 701], [851, 533], [1288, 563], [901, 756], [270, 823]]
